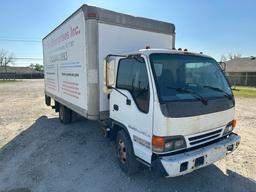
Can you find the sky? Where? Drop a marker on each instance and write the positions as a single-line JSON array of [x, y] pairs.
[[215, 28]]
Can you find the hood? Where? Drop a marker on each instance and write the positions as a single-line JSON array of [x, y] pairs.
[[197, 124]]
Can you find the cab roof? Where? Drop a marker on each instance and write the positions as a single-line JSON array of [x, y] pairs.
[[170, 51]]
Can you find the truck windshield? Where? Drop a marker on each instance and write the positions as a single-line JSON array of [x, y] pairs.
[[188, 77]]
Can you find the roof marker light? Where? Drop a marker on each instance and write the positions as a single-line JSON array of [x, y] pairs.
[[92, 15]]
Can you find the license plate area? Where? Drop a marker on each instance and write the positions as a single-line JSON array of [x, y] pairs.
[[199, 161]]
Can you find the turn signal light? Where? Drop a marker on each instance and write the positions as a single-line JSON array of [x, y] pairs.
[[234, 123], [158, 143]]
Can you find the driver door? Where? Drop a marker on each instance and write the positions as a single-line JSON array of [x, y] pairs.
[[137, 116]]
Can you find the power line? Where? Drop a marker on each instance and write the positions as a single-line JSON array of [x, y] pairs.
[[20, 40], [27, 58]]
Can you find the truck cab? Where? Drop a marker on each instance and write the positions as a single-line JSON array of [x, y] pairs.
[[173, 111]]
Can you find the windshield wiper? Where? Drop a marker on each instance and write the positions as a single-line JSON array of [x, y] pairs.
[[218, 90], [193, 93]]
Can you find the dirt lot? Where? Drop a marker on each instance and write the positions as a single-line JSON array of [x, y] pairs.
[[37, 153]]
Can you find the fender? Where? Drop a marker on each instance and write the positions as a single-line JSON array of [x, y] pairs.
[[114, 131], [115, 126]]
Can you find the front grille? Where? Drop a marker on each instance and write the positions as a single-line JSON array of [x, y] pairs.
[[199, 139]]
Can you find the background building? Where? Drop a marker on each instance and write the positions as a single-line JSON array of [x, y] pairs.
[[241, 71]]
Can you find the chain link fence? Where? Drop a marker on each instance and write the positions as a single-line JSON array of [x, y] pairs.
[[14, 75], [243, 78]]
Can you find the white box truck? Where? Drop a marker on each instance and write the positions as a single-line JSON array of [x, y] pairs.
[[171, 110]]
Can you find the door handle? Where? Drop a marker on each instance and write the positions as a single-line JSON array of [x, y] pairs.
[[115, 106]]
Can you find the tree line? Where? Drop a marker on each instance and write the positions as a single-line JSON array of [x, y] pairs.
[[7, 58], [230, 56]]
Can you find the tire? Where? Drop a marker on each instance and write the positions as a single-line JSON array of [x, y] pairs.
[[125, 154], [47, 100], [57, 106], [65, 114]]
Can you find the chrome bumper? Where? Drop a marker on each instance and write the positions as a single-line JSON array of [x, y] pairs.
[[184, 163]]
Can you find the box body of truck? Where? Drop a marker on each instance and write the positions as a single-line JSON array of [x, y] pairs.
[[74, 54]]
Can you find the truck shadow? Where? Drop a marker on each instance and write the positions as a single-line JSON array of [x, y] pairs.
[[49, 156]]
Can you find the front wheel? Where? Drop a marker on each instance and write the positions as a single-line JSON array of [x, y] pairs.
[[126, 158]]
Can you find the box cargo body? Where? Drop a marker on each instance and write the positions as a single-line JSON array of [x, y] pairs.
[[74, 54]]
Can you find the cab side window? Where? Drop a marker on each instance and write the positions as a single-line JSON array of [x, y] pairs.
[[132, 76]]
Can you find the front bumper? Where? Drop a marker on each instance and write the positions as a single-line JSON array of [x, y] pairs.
[[180, 164]]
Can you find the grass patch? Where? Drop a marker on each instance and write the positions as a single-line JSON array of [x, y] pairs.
[[244, 91], [8, 81]]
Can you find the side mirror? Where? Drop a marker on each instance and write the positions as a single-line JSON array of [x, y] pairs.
[[222, 66], [128, 101], [109, 74]]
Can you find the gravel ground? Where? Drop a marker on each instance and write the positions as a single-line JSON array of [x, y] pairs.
[[37, 153]]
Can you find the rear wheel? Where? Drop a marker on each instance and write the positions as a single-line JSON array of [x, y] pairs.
[[65, 114], [47, 100], [126, 158]]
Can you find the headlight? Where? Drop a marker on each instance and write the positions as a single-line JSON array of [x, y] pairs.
[[230, 127], [165, 144]]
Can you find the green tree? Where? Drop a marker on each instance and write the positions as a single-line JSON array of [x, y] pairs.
[[37, 67]]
